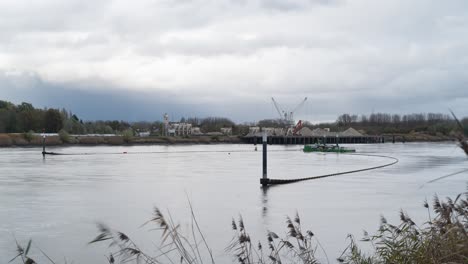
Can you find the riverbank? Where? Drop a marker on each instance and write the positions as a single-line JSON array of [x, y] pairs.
[[25, 140], [418, 137]]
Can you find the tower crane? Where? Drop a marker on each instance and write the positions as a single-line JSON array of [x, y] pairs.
[[288, 116]]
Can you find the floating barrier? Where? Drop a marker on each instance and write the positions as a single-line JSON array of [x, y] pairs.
[[265, 182]]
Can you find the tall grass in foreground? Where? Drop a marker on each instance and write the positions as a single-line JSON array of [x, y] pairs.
[[297, 247], [442, 239], [461, 135]]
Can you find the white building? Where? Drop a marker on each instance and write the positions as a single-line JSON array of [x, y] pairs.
[[196, 131], [176, 129], [144, 134], [254, 129], [226, 130], [181, 129]]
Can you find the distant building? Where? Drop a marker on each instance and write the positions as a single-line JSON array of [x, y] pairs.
[[181, 129], [166, 125], [176, 129], [226, 131], [143, 134], [196, 131], [269, 130], [170, 132], [254, 129], [278, 132]]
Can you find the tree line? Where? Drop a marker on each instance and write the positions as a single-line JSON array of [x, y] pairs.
[[384, 123], [378, 123], [385, 118], [25, 117]]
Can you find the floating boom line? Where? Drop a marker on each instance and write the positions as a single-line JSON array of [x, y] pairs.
[[287, 181]]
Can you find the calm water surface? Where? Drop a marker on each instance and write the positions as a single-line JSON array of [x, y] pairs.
[[57, 201]]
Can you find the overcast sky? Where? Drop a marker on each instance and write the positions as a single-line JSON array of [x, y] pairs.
[[137, 59]]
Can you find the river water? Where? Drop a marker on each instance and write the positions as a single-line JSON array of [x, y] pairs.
[[57, 201]]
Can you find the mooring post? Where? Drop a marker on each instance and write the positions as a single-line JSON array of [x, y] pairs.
[[264, 180], [43, 144]]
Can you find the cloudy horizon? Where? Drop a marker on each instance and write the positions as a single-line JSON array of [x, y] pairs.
[[135, 61]]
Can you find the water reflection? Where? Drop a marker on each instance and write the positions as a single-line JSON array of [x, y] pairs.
[[71, 193], [265, 201], [264, 198]]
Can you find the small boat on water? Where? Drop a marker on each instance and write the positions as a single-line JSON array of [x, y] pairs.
[[327, 148]]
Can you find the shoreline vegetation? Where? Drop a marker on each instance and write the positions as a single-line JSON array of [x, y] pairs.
[[21, 126], [35, 140], [23, 140]]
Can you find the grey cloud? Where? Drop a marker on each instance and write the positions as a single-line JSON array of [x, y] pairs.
[[228, 56], [290, 5], [95, 100], [49, 15], [106, 103]]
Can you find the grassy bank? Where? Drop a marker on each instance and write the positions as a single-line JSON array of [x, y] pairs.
[[30, 140]]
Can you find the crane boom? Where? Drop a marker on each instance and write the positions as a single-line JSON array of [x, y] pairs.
[[291, 114], [299, 105], [287, 116], [278, 108]]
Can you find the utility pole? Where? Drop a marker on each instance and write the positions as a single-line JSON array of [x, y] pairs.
[[264, 180]]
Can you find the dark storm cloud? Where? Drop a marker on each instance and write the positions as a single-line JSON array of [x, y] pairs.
[[97, 102]]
